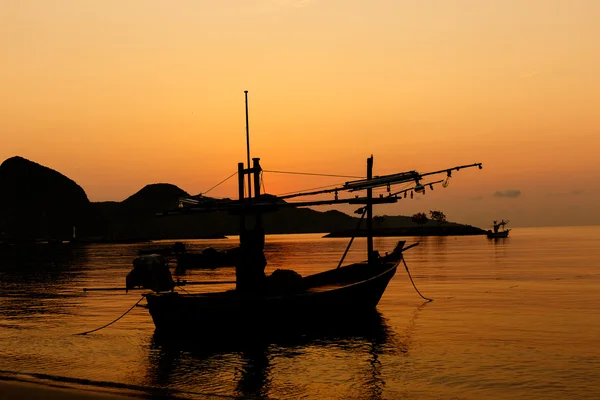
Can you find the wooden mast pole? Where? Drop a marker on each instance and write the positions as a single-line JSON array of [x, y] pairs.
[[241, 194], [242, 215], [256, 168], [256, 172], [248, 146], [241, 181], [370, 212]]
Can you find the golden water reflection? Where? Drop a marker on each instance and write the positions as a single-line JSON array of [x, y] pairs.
[[289, 358], [518, 319]]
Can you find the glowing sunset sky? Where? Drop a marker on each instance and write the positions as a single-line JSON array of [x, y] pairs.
[[118, 94]]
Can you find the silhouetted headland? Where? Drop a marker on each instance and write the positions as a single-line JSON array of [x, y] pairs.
[[404, 226], [40, 204]]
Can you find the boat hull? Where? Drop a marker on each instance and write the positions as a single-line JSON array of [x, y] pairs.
[[498, 235], [334, 294]]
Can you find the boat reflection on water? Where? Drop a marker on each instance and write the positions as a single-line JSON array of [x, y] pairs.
[[254, 360]]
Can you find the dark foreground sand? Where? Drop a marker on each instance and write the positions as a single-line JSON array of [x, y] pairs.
[[19, 390]]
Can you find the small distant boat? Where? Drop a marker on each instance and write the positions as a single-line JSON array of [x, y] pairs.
[[499, 230]]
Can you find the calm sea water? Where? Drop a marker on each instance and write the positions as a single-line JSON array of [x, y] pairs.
[[515, 318]]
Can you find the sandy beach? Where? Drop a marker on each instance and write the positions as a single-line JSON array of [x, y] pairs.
[[20, 390]]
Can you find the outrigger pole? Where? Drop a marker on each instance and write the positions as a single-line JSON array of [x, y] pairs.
[[352, 186], [381, 181]]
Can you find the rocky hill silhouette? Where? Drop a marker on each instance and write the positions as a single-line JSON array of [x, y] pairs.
[[38, 203], [135, 217]]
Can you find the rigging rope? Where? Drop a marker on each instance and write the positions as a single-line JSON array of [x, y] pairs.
[[181, 288], [309, 190], [413, 283], [262, 181], [353, 236], [314, 174], [110, 323], [382, 190], [223, 181]]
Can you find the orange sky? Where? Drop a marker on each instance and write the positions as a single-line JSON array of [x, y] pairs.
[[118, 94]]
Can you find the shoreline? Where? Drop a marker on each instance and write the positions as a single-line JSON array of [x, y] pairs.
[[455, 230], [23, 389]]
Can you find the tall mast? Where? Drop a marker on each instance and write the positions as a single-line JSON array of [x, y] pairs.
[[248, 146]]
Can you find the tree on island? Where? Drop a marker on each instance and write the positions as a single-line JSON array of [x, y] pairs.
[[438, 216], [420, 218]]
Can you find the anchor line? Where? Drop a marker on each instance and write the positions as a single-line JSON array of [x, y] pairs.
[[413, 282], [110, 323]]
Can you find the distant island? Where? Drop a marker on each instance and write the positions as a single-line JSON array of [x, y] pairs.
[[39, 203], [447, 229]]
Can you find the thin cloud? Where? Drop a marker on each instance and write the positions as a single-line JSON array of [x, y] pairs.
[[292, 3], [477, 198], [274, 7], [571, 193], [530, 75], [510, 193]]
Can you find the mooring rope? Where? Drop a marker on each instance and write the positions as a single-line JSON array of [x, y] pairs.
[[110, 323], [413, 283]]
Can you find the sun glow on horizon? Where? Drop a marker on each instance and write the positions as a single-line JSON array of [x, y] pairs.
[[119, 95]]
